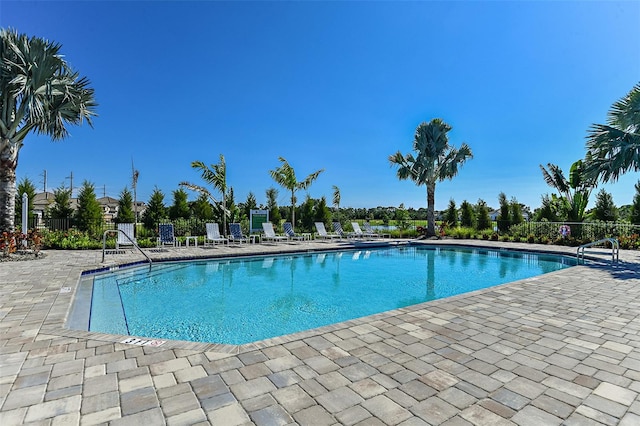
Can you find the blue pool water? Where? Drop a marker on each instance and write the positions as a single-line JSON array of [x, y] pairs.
[[237, 301]]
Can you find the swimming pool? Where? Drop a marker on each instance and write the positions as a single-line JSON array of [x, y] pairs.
[[242, 300]]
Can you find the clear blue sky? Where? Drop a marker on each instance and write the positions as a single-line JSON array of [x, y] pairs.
[[333, 85]]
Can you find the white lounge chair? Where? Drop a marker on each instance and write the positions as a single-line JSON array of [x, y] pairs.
[[358, 232], [270, 234], [236, 234], [291, 235], [166, 236], [129, 239], [213, 235], [337, 227], [323, 234]]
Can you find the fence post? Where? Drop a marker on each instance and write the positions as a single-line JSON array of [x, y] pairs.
[[25, 217]]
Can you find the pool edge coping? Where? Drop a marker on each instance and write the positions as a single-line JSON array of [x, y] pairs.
[[229, 349]]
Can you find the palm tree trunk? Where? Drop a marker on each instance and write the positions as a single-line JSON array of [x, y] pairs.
[[431, 205], [8, 165], [293, 209], [224, 214]]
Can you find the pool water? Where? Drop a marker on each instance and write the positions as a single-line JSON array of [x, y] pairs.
[[236, 301]]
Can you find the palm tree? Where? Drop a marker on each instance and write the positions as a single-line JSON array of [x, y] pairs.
[[39, 92], [614, 148], [336, 197], [435, 161], [217, 177], [575, 190], [285, 176]]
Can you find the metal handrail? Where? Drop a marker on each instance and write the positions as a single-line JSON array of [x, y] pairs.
[[104, 243], [615, 249]]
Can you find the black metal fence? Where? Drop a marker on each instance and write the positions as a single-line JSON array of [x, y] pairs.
[[182, 227], [590, 231], [551, 230]]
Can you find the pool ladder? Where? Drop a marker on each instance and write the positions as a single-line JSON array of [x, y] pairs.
[[615, 249], [104, 243]]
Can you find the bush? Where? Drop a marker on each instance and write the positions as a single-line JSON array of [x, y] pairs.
[[69, 240], [631, 242], [461, 232], [13, 242]]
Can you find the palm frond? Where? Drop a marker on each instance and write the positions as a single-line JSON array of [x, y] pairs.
[[306, 183], [614, 149], [555, 178], [200, 189], [39, 90]]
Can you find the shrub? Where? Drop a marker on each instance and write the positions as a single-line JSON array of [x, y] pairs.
[[70, 240], [629, 242], [13, 242], [461, 232]]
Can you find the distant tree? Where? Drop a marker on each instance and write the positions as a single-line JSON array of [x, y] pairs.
[[250, 204], [272, 206], [125, 212], [515, 209], [575, 190], [306, 213], [336, 197], [451, 214], [322, 212], [504, 218], [285, 176], [155, 211], [234, 211], [61, 207], [467, 215], [39, 92], [635, 206], [89, 216], [201, 208], [25, 187], [180, 207], [605, 209], [614, 148], [216, 176], [401, 217], [135, 174], [336, 202], [483, 221], [435, 161], [551, 209]]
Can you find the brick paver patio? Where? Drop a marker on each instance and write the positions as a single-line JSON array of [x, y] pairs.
[[562, 348]]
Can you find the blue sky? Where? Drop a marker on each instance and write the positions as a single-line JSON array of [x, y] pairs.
[[333, 85]]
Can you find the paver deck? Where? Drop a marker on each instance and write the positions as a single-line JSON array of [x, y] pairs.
[[561, 348]]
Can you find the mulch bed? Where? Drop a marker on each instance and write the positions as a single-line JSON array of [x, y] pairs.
[[22, 256]]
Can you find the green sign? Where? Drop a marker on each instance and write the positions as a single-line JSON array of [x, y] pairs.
[[257, 218]]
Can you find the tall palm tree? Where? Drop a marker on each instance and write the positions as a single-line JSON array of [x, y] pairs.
[[336, 197], [575, 190], [434, 162], [216, 176], [614, 148], [39, 92], [285, 176]]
